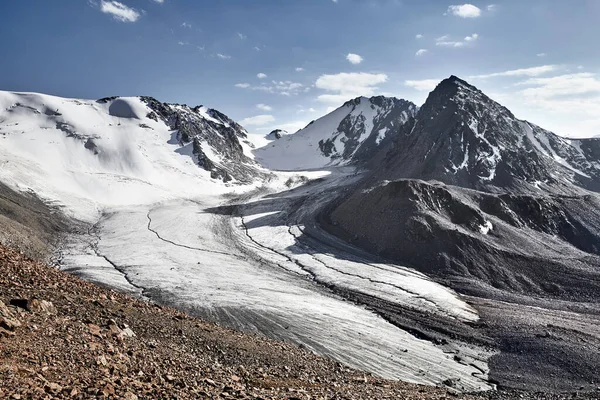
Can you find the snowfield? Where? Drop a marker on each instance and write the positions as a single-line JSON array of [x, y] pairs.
[[250, 257]]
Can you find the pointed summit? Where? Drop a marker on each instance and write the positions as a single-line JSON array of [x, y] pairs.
[[462, 137]]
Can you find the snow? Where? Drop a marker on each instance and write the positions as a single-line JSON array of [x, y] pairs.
[[300, 151], [485, 228], [134, 165], [541, 142], [380, 135]]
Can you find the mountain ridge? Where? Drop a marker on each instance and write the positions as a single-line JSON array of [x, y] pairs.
[[351, 134]]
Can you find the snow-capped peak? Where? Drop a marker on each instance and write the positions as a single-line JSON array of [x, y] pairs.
[[352, 133]]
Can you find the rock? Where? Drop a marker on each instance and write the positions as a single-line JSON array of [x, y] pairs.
[[21, 303], [95, 330], [34, 305], [53, 387], [8, 322], [41, 306]]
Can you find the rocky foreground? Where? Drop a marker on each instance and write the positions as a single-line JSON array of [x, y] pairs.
[[61, 337]]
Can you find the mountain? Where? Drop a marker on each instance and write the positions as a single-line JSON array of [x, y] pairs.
[[118, 150], [482, 200], [351, 134], [462, 137]]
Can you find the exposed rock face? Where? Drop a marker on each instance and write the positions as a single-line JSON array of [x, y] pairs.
[[200, 125], [470, 194], [276, 134], [462, 137], [362, 131]]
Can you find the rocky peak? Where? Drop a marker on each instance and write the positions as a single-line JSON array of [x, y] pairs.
[[462, 137], [276, 134]]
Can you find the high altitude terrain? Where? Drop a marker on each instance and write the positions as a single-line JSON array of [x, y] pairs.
[[448, 244]]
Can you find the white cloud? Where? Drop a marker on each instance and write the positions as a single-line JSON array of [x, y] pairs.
[[119, 11], [223, 56], [256, 48], [419, 36], [465, 11], [568, 94], [541, 54], [186, 25], [450, 43], [284, 88], [354, 58], [257, 120], [159, 1], [264, 107], [242, 36], [260, 75], [299, 69], [183, 43], [423, 85], [533, 71], [446, 42], [346, 86], [420, 52], [335, 1], [492, 7]]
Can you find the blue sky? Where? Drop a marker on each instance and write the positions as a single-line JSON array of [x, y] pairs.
[[282, 63]]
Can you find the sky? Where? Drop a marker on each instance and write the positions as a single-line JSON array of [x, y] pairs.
[[282, 63]]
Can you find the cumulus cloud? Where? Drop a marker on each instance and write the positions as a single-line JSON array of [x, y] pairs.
[[533, 71], [264, 107], [465, 11], [419, 36], [344, 86], [299, 69], [424, 85], [420, 52], [223, 56], [257, 120], [541, 54], [159, 1], [186, 25], [354, 58], [242, 85], [260, 75], [119, 11], [472, 38]]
